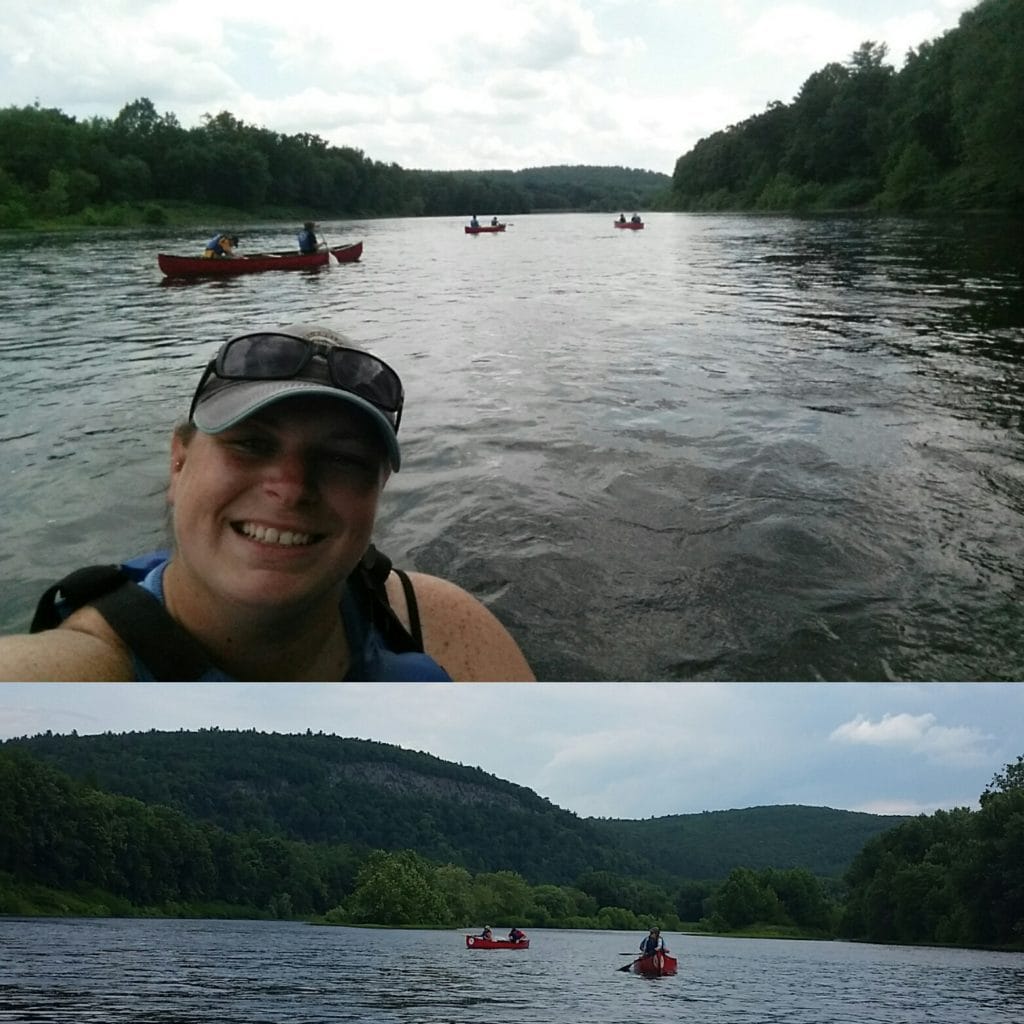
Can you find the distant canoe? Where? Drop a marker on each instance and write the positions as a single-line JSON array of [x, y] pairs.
[[629, 224], [484, 229], [198, 266], [476, 942]]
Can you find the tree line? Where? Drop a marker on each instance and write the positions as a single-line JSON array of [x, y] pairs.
[[943, 133], [953, 877], [98, 170]]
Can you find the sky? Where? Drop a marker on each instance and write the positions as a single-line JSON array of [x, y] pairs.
[[453, 84], [619, 750]]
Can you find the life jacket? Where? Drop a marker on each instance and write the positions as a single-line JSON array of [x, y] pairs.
[[168, 650]]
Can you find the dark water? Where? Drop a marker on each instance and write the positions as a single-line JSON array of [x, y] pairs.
[[720, 448], [120, 971]]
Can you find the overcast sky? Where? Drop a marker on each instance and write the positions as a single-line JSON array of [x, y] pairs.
[[623, 750], [454, 83]]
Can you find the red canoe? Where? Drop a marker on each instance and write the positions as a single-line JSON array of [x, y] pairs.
[[484, 229], [475, 942], [198, 266], [656, 965], [629, 224]]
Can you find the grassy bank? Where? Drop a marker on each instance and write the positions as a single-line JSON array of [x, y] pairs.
[[172, 214], [26, 899]]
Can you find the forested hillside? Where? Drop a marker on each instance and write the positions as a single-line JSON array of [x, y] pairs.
[[103, 170], [711, 844], [321, 788], [945, 132]]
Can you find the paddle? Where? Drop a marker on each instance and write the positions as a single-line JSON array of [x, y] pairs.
[[630, 964]]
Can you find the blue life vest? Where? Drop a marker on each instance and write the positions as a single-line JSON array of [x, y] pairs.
[[381, 649], [307, 241], [214, 244]]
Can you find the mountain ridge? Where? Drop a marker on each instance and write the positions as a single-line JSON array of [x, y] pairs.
[[318, 787]]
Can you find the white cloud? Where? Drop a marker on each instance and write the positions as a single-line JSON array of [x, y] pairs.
[[919, 734], [799, 30]]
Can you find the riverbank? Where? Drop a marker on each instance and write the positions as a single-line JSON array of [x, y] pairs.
[[172, 214], [24, 899]]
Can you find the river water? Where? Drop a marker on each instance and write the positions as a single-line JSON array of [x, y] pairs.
[[724, 447], [243, 972]]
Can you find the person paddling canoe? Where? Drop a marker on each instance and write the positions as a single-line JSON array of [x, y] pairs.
[[652, 943]]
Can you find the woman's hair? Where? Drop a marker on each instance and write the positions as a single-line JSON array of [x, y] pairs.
[[185, 430]]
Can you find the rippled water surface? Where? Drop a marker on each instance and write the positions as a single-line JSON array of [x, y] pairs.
[[719, 448], [119, 971]]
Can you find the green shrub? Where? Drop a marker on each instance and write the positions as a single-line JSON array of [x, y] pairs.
[[13, 214], [154, 214]]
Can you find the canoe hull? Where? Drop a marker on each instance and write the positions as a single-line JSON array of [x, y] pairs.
[[630, 225], [348, 253], [197, 266], [484, 229], [475, 942], [659, 965]]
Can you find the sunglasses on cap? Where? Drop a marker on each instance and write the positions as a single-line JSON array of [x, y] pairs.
[[258, 357]]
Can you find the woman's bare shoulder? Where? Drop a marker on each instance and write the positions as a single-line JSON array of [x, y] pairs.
[[83, 648], [460, 632]]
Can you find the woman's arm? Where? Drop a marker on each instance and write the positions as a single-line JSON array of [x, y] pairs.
[[82, 648]]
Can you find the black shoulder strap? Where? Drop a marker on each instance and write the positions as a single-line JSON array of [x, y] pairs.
[[168, 650], [139, 619], [414, 609], [79, 587], [372, 574]]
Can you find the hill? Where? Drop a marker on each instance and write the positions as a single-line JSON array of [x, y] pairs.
[[710, 844], [581, 187], [319, 788]]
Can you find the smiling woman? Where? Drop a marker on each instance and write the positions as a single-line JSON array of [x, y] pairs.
[[275, 480]]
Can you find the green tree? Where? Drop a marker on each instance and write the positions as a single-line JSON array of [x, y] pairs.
[[802, 897], [396, 889], [744, 899], [502, 896], [454, 885]]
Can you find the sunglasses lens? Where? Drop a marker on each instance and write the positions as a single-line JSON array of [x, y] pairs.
[[262, 357], [367, 377]]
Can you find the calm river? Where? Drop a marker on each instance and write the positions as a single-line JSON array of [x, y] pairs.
[[724, 447], [195, 972]]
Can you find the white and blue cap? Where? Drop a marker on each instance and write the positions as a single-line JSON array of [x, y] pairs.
[[221, 402]]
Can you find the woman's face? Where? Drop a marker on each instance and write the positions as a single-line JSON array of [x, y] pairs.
[[277, 511]]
